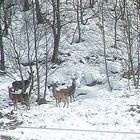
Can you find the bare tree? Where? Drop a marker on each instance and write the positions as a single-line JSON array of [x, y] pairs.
[[56, 28], [104, 44], [2, 62], [123, 9], [81, 11], [77, 34], [38, 13], [29, 54], [116, 16], [129, 41], [5, 11], [36, 54], [91, 3], [26, 5], [138, 40]]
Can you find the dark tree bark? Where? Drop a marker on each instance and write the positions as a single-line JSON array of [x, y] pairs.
[[81, 12], [123, 9], [91, 3], [56, 27], [104, 45], [5, 16], [78, 20], [2, 63], [26, 5], [138, 41], [38, 13]]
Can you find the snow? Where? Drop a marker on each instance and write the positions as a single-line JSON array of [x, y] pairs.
[[97, 110], [96, 113]]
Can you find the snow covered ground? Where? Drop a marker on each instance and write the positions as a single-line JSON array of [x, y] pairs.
[[96, 113], [99, 114]]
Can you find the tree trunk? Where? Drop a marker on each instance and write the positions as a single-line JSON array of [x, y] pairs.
[[56, 48], [46, 73], [36, 57], [56, 27], [5, 32], [104, 45], [78, 23], [91, 3], [2, 63], [138, 42], [29, 56], [26, 6], [38, 13], [123, 9], [130, 55], [81, 12]]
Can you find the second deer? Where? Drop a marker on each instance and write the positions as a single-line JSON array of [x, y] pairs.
[[60, 96], [22, 84], [70, 90], [18, 98]]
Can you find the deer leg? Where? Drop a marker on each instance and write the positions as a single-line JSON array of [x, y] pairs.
[[73, 97], [56, 102], [59, 100], [64, 103], [27, 102], [15, 105], [67, 103], [23, 89], [27, 105]]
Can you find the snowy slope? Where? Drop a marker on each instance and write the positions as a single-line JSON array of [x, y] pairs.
[[96, 109], [99, 110], [96, 114]]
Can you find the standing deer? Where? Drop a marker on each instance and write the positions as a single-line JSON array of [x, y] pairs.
[[22, 84], [71, 90], [59, 96], [18, 98]]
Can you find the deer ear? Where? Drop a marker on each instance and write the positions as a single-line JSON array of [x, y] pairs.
[[30, 72], [74, 78], [55, 82]]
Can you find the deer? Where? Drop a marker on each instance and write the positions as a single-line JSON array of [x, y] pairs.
[[60, 96], [71, 90], [24, 98], [22, 84]]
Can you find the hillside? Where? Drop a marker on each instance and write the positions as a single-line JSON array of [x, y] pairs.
[[97, 112]]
